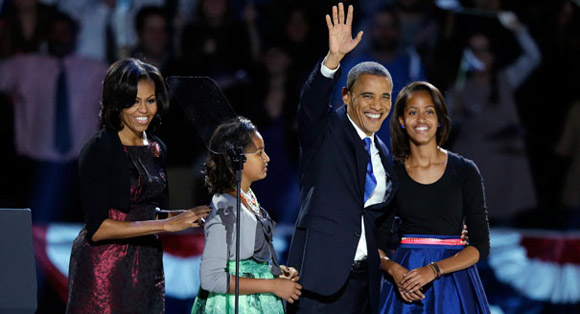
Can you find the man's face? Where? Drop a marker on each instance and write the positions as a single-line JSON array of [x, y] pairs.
[[369, 102]]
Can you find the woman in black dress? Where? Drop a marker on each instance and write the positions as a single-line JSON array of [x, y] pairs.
[[116, 261]]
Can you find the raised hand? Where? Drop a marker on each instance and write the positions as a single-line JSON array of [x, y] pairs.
[[340, 41], [509, 20]]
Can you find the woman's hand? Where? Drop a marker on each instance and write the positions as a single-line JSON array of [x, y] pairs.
[[201, 212], [398, 273], [191, 218], [414, 280], [464, 236], [286, 289], [289, 273]]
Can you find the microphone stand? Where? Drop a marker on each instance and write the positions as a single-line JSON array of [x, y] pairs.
[[238, 159]]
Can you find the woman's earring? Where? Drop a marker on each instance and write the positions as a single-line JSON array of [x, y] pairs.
[[402, 126], [439, 125]]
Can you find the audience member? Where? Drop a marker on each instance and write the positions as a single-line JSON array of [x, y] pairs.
[[490, 132], [107, 31], [56, 101], [153, 40], [23, 27]]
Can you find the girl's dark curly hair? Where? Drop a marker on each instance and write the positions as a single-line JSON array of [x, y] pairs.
[[399, 137], [218, 169], [120, 91]]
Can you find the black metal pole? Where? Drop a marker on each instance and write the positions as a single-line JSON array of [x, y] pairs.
[[238, 212], [238, 159]]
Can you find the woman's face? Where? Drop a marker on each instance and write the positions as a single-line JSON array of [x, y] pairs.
[[256, 165], [136, 119], [420, 118]]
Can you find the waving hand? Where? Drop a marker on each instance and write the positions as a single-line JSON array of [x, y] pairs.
[[340, 41]]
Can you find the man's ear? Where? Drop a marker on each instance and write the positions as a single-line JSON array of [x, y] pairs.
[[346, 96]]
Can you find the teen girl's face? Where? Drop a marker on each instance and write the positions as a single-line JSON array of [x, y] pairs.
[[420, 118], [256, 165]]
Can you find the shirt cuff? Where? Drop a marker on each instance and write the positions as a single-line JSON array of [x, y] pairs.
[[326, 72]]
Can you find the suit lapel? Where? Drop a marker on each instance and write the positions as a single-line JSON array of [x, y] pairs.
[[387, 165], [361, 154], [385, 156]]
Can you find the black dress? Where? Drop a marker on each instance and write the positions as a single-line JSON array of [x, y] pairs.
[[126, 275]]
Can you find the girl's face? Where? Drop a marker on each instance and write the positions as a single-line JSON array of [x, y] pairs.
[[420, 118], [256, 164], [136, 119]]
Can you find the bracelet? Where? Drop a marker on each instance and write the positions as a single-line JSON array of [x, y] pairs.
[[435, 267], [432, 269]]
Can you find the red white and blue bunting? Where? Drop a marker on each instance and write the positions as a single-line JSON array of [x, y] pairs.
[[527, 270]]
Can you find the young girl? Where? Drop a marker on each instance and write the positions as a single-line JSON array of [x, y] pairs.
[[432, 271], [262, 287]]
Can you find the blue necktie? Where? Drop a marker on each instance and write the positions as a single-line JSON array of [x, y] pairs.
[[62, 136], [370, 181]]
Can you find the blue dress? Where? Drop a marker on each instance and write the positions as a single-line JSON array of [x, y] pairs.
[[456, 292]]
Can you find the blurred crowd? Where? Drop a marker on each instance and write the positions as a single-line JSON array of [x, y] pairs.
[[508, 70]]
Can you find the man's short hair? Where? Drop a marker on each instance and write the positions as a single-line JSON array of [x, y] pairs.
[[368, 67]]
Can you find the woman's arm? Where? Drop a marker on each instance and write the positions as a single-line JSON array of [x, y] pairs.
[[114, 229]]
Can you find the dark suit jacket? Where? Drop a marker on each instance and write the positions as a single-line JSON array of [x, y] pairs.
[[104, 178], [332, 173]]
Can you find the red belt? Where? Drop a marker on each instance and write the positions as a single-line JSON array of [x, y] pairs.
[[434, 241]]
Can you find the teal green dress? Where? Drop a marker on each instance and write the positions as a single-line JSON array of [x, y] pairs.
[[219, 303], [218, 260]]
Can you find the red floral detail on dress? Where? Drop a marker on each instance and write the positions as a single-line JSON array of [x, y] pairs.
[[155, 148]]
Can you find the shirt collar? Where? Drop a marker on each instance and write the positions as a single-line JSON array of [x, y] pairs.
[[360, 132]]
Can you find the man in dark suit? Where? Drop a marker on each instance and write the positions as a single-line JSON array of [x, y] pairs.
[[346, 180]]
